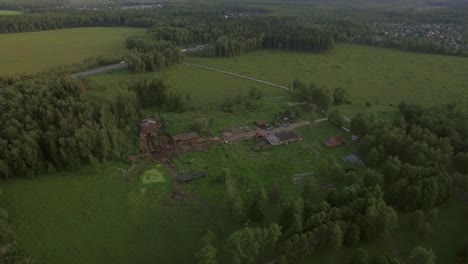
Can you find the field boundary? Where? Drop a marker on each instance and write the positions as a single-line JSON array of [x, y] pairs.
[[236, 75]]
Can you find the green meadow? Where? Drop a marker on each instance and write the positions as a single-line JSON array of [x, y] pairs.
[[377, 75], [37, 51], [202, 86], [87, 216]]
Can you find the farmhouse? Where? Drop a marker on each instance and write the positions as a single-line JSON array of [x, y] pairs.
[[283, 137], [334, 141], [189, 137]]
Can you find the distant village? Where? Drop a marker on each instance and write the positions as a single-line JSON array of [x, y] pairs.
[[452, 37]]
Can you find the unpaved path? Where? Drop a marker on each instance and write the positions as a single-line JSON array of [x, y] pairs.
[[237, 75], [251, 134], [95, 71]]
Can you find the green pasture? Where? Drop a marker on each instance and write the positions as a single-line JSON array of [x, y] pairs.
[[376, 75], [91, 217], [9, 12], [203, 86], [38, 51]]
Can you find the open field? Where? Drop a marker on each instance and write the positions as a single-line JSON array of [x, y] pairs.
[[381, 76], [37, 51], [89, 217], [9, 12], [203, 86]]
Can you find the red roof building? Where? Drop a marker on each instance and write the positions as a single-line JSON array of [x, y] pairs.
[[334, 141]]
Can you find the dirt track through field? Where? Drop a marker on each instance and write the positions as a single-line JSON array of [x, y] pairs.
[[251, 134], [103, 69], [237, 75]]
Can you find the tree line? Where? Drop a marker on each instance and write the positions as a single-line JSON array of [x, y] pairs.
[[417, 155], [48, 125]]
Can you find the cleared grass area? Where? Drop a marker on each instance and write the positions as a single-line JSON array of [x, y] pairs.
[[37, 51], [89, 217], [377, 75], [9, 12], [275, 166], [202, 86]]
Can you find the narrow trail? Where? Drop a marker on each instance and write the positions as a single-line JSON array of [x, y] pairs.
[[237, 75], [251, 134]]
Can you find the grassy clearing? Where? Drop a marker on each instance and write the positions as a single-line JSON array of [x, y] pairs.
[[9, 12], [201, 85], [380, 76], [38, 51], [276, 166], [88, 217]]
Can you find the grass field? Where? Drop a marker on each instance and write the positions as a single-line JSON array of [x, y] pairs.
[[203, 86], [377, 75], [89, 217], [37, 51], [9, 12]]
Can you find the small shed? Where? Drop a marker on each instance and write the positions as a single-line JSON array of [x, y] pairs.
[[261, 123], [189, 137], [149, 127], [334, 141], [353, 158]]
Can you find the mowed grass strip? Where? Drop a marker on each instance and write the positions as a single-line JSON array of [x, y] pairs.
[[377, 75], [203, 86], [9, 12], [37, 51]]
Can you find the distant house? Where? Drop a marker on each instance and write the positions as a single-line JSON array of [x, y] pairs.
[[189, 137], [261, 123], [334, 141]]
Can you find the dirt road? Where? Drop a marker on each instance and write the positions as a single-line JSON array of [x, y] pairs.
[[107, 68], [237, 75], [251, 134]]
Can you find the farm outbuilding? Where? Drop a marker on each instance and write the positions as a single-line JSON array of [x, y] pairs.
[[190, 176], [189, 137], [149, 128], [334, 141], [283, 137], [353, 158]]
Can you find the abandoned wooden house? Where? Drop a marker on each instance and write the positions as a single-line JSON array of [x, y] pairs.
[[283, 137], [334, 141], [190, 176], [149, 127], [190, 137], [148, 131]]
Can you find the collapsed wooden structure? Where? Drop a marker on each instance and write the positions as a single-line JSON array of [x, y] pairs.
[[190, 176]]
